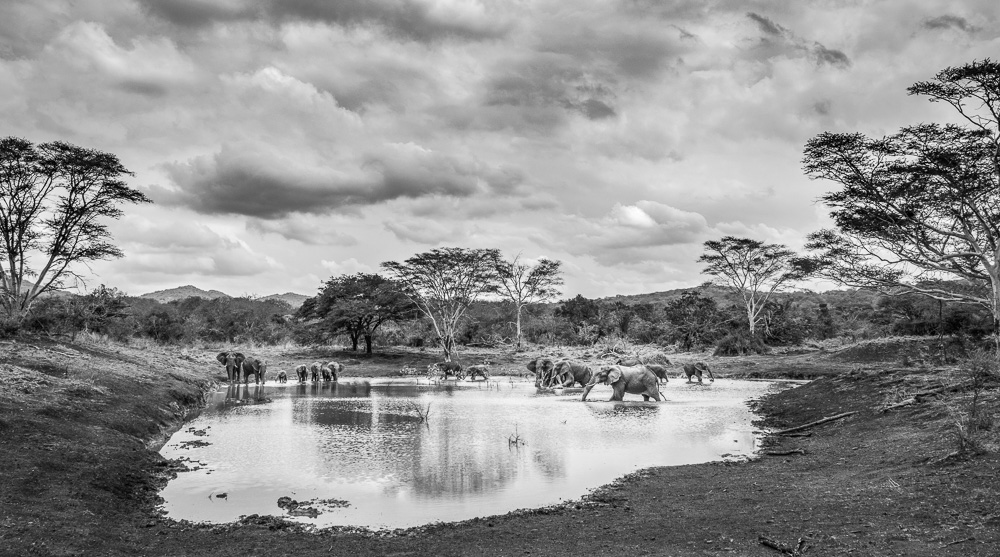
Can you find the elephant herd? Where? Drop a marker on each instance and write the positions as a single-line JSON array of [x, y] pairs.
[[238, 365], [444, 369], [625, 376], [317, 371]]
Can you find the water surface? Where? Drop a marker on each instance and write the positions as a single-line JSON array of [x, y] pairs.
[[359, 452]]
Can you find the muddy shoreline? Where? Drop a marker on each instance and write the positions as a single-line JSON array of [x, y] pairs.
[[80, 478]]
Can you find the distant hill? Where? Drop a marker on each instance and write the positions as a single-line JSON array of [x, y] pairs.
[[183, 292], [290, 298], [189, 291], [717, 293]]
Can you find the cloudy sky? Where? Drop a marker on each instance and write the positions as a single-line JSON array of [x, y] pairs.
[[285, 141]]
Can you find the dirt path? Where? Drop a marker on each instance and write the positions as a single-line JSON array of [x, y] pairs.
[[76, 422]]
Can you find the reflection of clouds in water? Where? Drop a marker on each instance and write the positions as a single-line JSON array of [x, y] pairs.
[[364, 442]]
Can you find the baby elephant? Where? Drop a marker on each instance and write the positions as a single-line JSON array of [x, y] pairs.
[[282, 377], [302, 372], [696, 369]]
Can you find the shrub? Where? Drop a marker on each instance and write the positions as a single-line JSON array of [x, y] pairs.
[[739, 344]]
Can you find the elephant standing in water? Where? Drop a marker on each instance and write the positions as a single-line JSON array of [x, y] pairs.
[[568, 373], [660, 370], [696, 369], [282, 377], [302, 372], [233, 362], [314, 371], [255, 366], [333, 369], [637, 380], [543, 369]]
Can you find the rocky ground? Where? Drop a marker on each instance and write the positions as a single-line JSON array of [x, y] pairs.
[[80, 423]]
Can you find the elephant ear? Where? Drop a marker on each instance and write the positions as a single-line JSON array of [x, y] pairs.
[[548, 365], [531, 366], [239, 358], [614, 375], [222, 357]]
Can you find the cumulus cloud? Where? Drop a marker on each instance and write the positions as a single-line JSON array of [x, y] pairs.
[[414, 19], [305, 229], [950, 22], [350, 266], [779, 40], [192, 248], [640, 232], [258, 181], [428, 232]]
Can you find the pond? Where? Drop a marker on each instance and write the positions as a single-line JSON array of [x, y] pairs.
[[358, 453]]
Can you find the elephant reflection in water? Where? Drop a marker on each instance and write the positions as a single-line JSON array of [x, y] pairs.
[[243, 394]]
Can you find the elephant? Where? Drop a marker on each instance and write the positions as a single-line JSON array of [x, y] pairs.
[[636, 380], [233, 362], [543, 369], [256, 367], [326, 373], [301, 372], [568, 373], [445, 369], [696, 369], [336, 368], [282, 377], [478, 369], [658, 369], [314, 371]]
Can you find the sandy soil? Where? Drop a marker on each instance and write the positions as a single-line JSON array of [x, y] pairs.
[[80, 422]]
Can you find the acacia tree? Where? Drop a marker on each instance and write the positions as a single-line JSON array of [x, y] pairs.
[[919, 210], [523, 284], [443, 283], [751, 268], [53, 199], [359, 304]]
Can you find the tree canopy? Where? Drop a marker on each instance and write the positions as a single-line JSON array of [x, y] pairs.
[[918, 210], [753, 269], [358, 305], [443, 283], [54, 198], [523, 284]]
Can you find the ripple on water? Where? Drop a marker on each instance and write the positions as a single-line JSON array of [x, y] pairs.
[[482, 451]]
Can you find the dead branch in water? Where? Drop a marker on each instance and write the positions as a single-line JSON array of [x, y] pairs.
[[814, 424], [785, 453]]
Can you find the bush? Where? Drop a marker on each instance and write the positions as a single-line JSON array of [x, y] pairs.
[[739, 344]]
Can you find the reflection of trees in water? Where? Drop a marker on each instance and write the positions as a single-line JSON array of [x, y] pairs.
[[375, 435], [466, 452]]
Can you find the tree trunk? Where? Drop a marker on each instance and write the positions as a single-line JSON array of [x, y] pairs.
[[354, 341], [368, 344], [518, 327]]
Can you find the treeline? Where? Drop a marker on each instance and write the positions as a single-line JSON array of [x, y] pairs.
[[110, 312], [692, 319]]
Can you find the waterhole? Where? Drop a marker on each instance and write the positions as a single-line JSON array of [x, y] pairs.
[[395, 453]]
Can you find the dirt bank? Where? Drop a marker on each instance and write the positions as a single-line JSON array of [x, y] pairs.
[[77, 421]]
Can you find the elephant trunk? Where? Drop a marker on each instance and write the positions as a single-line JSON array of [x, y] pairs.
[[588, 387]]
